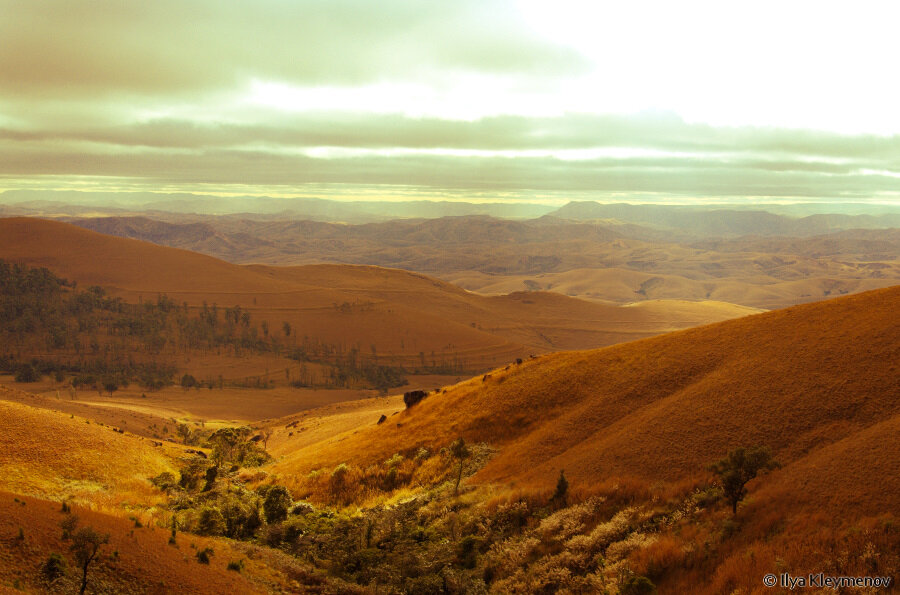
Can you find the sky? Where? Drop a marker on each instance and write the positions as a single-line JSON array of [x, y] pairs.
[[493, 99]]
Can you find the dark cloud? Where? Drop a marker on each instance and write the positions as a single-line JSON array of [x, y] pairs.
[[675, 176], [81, 82], [503, 133]]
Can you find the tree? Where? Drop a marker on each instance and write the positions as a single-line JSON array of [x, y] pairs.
[[460, 451], [739, 467], [266, 434], [638, 585], [286, 327], [277, 503], [211, 521], [27, 373], [184, 431], [85, 546], [562, 489]]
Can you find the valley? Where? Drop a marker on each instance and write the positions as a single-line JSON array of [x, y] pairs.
[[571, 439]]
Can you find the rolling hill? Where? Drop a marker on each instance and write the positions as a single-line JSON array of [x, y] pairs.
[[817, 383], [603, 260], [399, 314], [47, 457]]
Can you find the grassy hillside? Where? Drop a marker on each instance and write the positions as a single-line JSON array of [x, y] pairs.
[[53, 455], [136, 559], [409, 317], [660, 409]]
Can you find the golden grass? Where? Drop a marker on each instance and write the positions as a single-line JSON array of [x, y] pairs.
[[402, 314], [661, 409], [145, 562], [53, 455]]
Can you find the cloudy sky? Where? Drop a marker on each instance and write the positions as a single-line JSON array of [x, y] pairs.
[[494, 99]]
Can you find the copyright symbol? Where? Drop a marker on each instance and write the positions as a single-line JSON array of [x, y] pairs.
[[770, 580]]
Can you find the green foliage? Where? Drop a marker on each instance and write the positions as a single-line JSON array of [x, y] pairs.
[[231, 445], [739, 467], [277, 503], [459, 451], [164, 481], [27, 373], [193, 473], [211, 521], [467, 551], [68, 525]]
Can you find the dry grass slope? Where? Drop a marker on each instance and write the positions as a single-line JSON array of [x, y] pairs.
[[49, 454], [145, 562], [818, 383], [402, 314]]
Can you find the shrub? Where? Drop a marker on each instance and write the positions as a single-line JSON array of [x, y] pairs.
[[211, 521], [562, 489], [236, 565], [54, 567], [68, 524], [27, 373], [204, 555], [164, 481], [637, 585]]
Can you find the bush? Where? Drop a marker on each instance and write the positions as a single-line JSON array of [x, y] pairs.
[[204, 555], [27, 373], [236, 566], [211, 521], [54, 567], [430, 584], [164, 481], [638, 585]]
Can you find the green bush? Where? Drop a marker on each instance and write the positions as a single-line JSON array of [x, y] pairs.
[[277, 503], [211, 521]]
